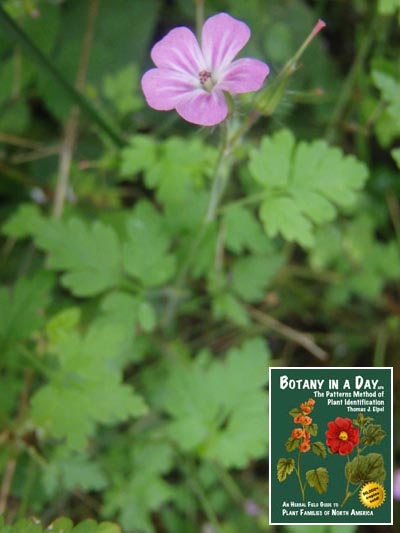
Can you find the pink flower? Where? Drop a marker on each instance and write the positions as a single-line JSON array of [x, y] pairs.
[[192, 80], [396, 485]]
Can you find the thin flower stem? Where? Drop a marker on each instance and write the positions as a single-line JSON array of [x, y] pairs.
[[298, 473], [20, 141], [223, 166], [201, 495], [348, 86], [303, 339], [247, 200], [199, 18], [230, 484], [249, 123], [221, 176], [349, 494], [6, 483]]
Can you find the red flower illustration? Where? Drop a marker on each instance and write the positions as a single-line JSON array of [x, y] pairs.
[[342, 436]]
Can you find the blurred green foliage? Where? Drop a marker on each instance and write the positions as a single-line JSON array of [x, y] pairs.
[[135, 338]]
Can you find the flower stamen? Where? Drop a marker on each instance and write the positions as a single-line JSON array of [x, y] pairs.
[[205, 78], [343, 435]]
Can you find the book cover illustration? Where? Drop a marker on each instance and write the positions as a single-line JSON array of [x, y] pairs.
[[330, 455]]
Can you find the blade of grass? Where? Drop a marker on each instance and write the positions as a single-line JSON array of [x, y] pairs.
[[71, 127], [16, 33]]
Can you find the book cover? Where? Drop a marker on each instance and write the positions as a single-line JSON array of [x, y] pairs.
[[330, 451]]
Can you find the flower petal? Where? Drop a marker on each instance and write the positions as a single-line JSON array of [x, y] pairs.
[[222, 38], [179, 50], [203, 108], [163, 88], [244, 76]]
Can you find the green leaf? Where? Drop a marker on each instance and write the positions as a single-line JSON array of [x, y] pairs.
[[61, 324], [181, 169], [318, 479], [139, 155], [88, 380], [295, 411], [121, 88], [139, 489], [145, 255], [120, 308], [388, 7], [147, 317], [243, 231], [362, 262], [372, 434], [292, 444], [396, 156], [215, 422], [62, 524], [281, 215], [366, 468], [70, 472], [319, 449], [251, 275], [313, 429], [91, 526], [22, 308], [226, 305], [23, 525], [89, 255], [284, 468], [304, 184], [388, 124], [23, 222], [270, 166]]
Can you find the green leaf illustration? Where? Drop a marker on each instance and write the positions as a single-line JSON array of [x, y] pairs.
[[318, 479], [366, 468], [373, 434], [294, 412], [362, 420], [292, 444], [319, 449], [313, 429], [284, 468]]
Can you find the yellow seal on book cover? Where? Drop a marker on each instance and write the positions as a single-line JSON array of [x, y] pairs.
[[372, 494]]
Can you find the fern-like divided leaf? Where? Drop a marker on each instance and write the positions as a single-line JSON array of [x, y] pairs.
[[88, 381], [304, 184], [90, 255], [216, 408]]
